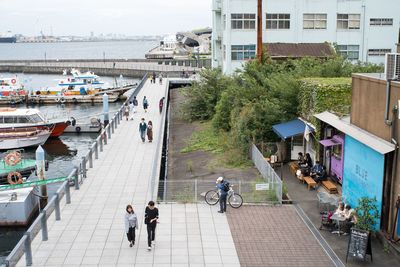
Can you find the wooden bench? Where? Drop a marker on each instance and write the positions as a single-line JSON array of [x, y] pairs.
[[310, 182], [331, 187], [293, 167]]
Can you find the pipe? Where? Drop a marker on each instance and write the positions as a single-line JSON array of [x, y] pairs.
[[388, 87], [394, 167]]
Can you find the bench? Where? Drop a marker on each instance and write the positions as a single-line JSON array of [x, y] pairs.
[[310, 182], [331, 187], [293, 167]]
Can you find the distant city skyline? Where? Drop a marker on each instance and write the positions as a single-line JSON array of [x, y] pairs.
[[125, 17]]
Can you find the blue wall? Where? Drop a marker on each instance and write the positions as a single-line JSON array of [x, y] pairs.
[[363, 173]]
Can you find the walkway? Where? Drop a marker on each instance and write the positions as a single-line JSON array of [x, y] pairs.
[[91, 230]]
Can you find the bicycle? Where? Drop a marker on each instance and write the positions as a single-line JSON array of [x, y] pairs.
[[234, 199]]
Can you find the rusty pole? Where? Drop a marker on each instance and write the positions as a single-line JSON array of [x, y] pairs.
[[259, 31]]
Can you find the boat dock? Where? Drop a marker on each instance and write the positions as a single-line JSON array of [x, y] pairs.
[[122, 170]]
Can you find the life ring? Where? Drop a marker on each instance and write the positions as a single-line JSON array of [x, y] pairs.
[[78, 129], [10, 177], [12, 158], [62, 100], [57, 100], [13, 81]]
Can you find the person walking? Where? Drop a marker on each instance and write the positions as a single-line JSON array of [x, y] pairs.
[[150, 219], [160, 78], [131, 225], [145, 104], [154, 77], [142, 129], [131, 109], [150, 131], [223, 188], [126, 111], [135, 103], [161, 104]]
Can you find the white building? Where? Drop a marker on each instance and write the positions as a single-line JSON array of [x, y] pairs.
[[363, 29]]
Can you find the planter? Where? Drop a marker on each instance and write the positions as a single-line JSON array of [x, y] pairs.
[[286, 199]]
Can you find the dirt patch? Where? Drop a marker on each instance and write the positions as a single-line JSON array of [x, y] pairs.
[[196, 164]]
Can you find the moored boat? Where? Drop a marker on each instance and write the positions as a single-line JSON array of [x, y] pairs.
[[13, 138]]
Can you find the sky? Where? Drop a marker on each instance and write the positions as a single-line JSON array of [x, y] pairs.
[[81, 17]]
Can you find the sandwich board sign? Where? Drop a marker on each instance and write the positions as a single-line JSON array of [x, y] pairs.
[[359, 244]]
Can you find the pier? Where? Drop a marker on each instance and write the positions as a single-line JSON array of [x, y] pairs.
[[136, 68], [87, 227]]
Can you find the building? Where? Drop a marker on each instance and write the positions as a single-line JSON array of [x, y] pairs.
[[362, 29]]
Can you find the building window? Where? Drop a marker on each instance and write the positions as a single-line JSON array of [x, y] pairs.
[[278, 21], [243, 21], [243, 52], [350, 52], [314, 21], [378, 52], [224, 22], [380, 22], [348, 21]]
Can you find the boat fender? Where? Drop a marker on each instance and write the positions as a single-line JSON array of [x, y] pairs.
[[11, 175], [62, 100], [12, 158], [75, 100], [32, 101], [58, 100], [12, 102], [73, 121], [78, 129]]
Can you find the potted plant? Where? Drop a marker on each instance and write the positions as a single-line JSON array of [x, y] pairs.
[[367, 214]]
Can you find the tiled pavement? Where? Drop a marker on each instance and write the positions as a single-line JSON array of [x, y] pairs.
[[274, 236], [91, 229]]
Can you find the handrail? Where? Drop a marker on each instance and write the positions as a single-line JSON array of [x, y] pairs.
[[40, 223]]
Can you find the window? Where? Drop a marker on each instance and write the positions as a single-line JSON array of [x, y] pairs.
[[278, 21], [224, 22], [314, 21], [348, 21], [351, 52], [380, 22], [378, 52], [243, 52], [23, 120], [243, 21], [8, 119]]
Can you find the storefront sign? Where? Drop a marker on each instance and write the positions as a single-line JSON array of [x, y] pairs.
[[363, 173]]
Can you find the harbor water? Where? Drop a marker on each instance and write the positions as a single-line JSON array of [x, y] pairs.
[[63, 152]]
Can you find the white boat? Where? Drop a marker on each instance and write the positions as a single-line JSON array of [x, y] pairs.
[[11, 87], [23, 137]]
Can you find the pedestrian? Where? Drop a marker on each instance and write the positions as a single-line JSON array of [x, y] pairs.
[[150, 219], [161, 104], [131, 225], [142, 129], [145, 104], [160, 78], [126, 111], [223, 188], [150, 131], [135, 103], [154, 77], [131, 109]]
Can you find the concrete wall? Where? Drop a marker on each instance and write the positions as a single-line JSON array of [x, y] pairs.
[[368, 113]]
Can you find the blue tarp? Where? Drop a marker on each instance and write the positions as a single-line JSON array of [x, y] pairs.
[[291, 128]]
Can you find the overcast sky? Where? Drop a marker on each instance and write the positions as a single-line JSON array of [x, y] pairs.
[[80, 17]]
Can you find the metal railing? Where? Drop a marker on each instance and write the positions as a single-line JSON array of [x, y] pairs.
[[77, 176], [267, 172]]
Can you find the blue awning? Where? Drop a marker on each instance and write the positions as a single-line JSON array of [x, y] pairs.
[[291, 128]]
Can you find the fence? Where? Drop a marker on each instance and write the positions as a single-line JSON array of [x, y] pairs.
[[77, 176], [267, 171]]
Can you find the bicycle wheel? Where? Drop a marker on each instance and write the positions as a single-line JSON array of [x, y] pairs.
[[212, 197], [235, 201]]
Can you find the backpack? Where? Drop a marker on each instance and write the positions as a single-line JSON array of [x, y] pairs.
[[226, 187]]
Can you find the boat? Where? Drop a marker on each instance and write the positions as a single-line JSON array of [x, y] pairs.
[[13, 118], [71, 99], [14, 138], [8, 38], [11, 91], [93, 127]]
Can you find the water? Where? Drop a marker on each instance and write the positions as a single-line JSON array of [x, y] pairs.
[[63, 152], [76, 50]]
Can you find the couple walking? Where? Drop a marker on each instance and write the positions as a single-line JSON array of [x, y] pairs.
[[150, 219], [146, 128]]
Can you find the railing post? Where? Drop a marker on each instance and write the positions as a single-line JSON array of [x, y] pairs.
[[28, 249], [105, 137], [67, 193], [96, 149], [113, 123], [76, 179], [90, 158], [109, 131], [83, 167], [195, 190], [240, 187], [118, 120], [43, 221], [101, 142], [57, 210]]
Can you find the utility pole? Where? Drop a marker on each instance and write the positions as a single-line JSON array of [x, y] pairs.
[[259, 31]]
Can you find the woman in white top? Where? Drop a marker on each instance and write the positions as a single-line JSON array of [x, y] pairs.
[[131, 225]]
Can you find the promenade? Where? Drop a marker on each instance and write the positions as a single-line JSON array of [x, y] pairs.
[[91, 230]]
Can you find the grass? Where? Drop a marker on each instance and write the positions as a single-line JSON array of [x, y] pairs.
[[208, 140]]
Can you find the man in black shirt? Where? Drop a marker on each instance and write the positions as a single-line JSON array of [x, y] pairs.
[[150, 218]]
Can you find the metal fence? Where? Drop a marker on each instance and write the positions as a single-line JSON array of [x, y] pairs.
[[77, 176], [267, 171]]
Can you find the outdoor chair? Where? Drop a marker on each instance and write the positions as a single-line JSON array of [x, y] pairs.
[[326, 222]]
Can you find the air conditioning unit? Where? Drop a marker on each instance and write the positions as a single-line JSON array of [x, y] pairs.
[[392, 66]]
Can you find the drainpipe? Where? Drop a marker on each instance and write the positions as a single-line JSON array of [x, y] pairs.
[[394, 168], [363, 33], [388, 86]]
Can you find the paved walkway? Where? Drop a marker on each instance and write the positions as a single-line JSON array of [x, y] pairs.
[[274, 236], [91, 230]]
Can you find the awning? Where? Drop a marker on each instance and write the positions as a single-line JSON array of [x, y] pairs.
[[291, 128], [329, 142], [368, 139]]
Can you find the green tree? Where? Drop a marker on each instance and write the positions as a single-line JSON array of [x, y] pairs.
[[367, 214]]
